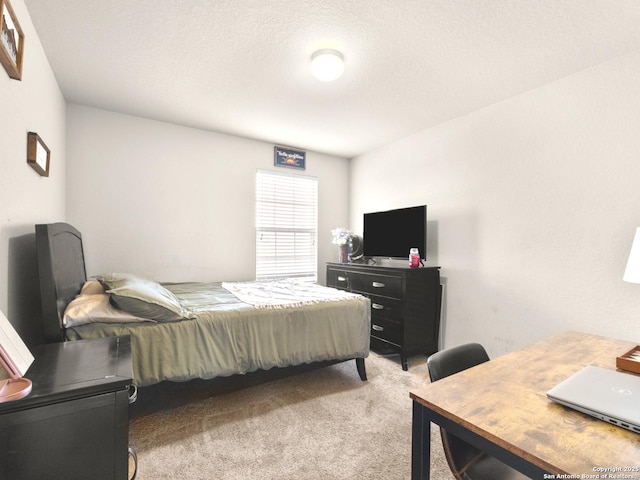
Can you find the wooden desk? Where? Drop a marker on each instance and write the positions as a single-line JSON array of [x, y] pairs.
[[501, 406]]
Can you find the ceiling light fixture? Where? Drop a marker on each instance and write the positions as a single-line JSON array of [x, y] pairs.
[[327, 65]]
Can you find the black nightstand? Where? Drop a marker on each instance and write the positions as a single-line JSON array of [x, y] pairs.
[[75, 422]]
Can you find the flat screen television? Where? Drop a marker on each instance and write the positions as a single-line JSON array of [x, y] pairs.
[[393, 233]]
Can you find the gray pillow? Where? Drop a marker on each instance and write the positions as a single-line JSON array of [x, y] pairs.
[[142, 298]]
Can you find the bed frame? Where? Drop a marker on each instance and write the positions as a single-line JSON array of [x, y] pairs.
[[62, 271]]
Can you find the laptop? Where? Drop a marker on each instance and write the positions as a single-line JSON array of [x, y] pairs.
[[605, 394]]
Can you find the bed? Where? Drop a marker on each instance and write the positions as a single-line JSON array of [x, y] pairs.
[[183, 331]]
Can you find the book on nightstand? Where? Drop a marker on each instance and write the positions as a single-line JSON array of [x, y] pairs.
[[16, 359]]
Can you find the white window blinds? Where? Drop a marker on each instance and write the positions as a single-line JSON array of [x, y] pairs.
[[286, 226]]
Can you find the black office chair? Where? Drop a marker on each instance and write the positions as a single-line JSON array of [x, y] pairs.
[[465, 460]]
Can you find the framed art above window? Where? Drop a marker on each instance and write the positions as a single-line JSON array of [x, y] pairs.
[[289, 157], [11, 41], [38, 154]]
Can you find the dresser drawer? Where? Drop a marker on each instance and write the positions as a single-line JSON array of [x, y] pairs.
[[386, 330], [338, 279], [386, 308], [385, 285]]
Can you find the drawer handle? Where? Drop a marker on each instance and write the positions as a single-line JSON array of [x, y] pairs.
[[133, 394], [342, 279], [378, 284], [377, 306], [134, 458], [377, 328]]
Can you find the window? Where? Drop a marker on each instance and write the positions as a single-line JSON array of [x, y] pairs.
[[286, 226]]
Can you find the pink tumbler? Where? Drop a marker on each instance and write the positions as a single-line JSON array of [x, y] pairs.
[[414, 258]]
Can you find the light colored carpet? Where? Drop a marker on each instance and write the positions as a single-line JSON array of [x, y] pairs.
[[323, 423]]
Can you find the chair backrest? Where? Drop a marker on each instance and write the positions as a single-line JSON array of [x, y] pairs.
[[455, 359], [459, 454]]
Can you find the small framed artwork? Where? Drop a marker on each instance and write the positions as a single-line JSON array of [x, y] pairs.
[[11, 41], [38, 154], [289, 157]]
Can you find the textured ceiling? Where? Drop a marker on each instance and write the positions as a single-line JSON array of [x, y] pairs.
[[242, 66]]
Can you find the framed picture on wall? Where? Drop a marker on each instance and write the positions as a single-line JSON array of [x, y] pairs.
[[38, 154], [11, 41], [289, 157]]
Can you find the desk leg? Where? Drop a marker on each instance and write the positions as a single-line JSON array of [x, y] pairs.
[[420, 444]]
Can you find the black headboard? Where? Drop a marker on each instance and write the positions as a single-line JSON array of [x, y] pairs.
[[62, 273]]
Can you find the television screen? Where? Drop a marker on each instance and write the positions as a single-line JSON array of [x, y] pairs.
[[394, 232]]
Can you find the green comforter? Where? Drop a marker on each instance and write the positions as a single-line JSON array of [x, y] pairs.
[[228, 336]]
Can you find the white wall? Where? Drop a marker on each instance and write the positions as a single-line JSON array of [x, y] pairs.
[[176, 203], [33, 104], [532, 207]]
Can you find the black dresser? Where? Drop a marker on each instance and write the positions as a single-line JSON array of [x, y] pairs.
[[74, 425], [405, 304]]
